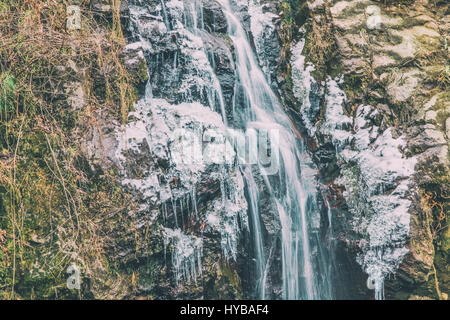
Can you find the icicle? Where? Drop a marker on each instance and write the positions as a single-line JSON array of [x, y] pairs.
[[194, 199], [187, 252], [164, 210], [174, 207], [181, 211], [164, 12]]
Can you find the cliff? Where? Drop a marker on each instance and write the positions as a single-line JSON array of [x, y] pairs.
[[95, 123]]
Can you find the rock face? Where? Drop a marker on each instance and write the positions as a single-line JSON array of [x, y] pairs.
[[184, 192], [377, 127], [186, 63], [197, 210], [364, 85], [190, 194]]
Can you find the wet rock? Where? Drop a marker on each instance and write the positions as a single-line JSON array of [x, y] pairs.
[[325, 157], [136, 65], [198, 201], [221, 53], [270, 218], [266, 38], [213, 17], [180, 67]]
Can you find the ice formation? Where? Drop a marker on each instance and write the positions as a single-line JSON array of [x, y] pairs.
[[228, 215], [187, 253], [303, 83], [374, 171], [175, 136], [376, 176], [174, 139]]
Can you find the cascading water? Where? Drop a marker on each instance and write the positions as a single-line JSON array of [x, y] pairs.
[[260, 109], [255, 108], [257, 234]]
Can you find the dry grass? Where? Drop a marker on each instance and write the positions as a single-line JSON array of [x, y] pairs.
[[320, 42], [52, 212], [437, 216]]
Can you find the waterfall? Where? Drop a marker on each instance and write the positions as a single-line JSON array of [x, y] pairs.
[[260, 109], [188, 79], [257, 234]]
